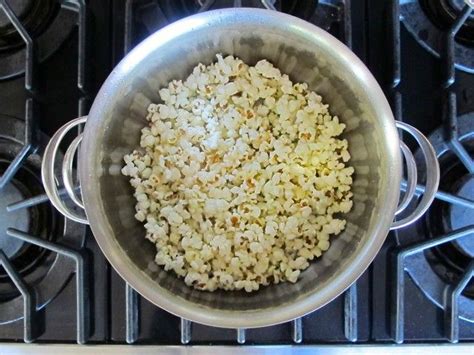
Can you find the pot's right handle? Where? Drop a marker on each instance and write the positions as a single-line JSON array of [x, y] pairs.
[[48, 175], [432, 176]]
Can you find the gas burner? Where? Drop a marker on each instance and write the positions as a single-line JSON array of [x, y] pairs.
[[47, 22], [450, 260], [461, 217], [443, 13], [20, 220], [444, 264], [428, 20], [41, 270], [38, 220], [35, 16]]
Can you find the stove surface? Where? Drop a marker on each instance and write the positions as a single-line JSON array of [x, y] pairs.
[[57, 287]]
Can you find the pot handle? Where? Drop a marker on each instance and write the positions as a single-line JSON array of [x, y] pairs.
[[432, 176], [269, 5], [49, 177]]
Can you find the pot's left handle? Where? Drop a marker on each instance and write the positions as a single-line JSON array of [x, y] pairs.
[[48, 172]]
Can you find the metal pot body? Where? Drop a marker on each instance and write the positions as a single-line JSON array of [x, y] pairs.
[[308, 54]]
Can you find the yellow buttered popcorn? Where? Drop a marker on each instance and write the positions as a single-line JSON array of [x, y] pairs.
[[239, 176]]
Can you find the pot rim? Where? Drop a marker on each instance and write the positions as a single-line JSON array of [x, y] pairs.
[[149, 288]]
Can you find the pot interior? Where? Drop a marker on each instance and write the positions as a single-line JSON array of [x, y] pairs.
[[306, 55]]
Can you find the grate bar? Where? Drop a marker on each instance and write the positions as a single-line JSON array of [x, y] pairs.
[[451, 309], [449, 58], [185, 331], [30, 134], [395, 37], [29, 299], [461, 152], [30, 45], [347, 23], [269, 4], [451, 131], [449, 237], [450, 123], [30, 202], [36, 200], [350, 313], [82, 110], [396, 61], [297, 330], [397, 107], [398, 305], [128, 30], [206, 6], [83, 106], [241, 336], [132, 313], [79, 6], [14, 166], [26, 150], [82, 297], [82, 38], [443, 196]]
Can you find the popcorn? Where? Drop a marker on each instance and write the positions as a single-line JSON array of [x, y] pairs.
[[239, 175]]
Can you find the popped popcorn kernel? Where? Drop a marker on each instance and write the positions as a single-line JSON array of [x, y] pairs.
[[241, 178]]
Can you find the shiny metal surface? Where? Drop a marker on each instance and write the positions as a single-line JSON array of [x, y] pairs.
[[412, 178], [67, 170], [432, 177], [34, 349], [48, 172], [307, 54]]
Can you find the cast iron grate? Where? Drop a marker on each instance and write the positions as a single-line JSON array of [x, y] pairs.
[[30, 145], [450, 127]]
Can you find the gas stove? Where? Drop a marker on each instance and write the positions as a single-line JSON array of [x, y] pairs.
[[57, 288]]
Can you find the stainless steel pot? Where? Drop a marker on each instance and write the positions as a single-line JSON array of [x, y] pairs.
[[308, 54]]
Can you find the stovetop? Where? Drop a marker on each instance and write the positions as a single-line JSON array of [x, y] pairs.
[[55, 284]]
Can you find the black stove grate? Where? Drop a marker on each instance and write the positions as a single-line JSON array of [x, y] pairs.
[[332, 15], [451, 309], [450, 126], [30, 146], [30, 46], [29, 299], [82, 298]]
